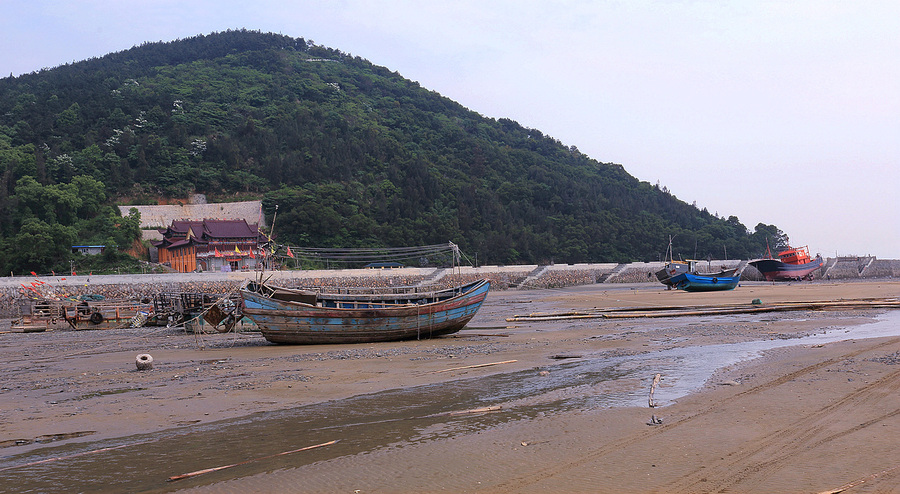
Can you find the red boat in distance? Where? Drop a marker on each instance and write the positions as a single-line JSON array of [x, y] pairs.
[[793, 263]]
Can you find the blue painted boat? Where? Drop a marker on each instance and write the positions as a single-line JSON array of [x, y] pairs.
[[710, 282], [304, 316], [671, 270]]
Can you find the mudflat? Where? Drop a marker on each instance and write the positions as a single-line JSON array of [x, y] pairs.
[[798, 418]]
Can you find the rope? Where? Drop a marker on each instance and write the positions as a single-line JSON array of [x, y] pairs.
[[357, 255]]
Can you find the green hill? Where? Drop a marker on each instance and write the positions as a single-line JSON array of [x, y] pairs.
[[353, 154]]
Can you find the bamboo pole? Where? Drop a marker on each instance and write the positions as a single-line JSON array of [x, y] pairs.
[[216, 469], [474, 366], [74, 455], [860, 481], [493, 408], [652, 389]]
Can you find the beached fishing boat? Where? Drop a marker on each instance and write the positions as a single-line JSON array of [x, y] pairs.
[[707, 282], [793, 263], [672, 267], [671, 270], [304, 316], [684, 276]]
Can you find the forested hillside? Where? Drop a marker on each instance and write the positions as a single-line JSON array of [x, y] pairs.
[[353, 154]]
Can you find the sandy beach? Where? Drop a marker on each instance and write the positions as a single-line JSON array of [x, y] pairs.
[[802, 417]]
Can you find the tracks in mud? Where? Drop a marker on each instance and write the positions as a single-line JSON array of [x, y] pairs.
[[761, 456]]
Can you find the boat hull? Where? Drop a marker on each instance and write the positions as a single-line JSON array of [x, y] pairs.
[[704, 283], [671, 270], [775, 270], [372, 319]]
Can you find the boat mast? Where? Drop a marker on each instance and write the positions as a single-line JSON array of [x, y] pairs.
[[455, 261]]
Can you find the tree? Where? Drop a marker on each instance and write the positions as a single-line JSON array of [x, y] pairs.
[[38, 246]]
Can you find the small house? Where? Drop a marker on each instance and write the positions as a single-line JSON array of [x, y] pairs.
[[88, 250]]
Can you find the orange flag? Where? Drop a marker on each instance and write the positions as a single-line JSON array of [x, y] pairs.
[[289, 253]]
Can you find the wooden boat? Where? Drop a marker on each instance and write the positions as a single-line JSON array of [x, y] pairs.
[[303, 316], [707, 282], [672, 267], [671, 270], [792, 264]]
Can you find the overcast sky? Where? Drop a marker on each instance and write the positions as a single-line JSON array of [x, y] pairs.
[[785, 113]]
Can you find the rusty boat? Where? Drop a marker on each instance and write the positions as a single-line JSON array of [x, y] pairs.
[[359, 315], [793, 263]]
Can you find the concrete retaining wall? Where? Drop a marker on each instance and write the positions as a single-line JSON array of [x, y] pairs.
[[134, 287]]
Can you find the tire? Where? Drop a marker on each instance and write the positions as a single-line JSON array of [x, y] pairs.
[[96, 318], [144, 362]]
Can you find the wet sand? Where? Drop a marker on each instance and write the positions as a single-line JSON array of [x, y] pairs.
[[805, 418]]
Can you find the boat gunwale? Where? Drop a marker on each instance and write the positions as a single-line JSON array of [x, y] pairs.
[[458, 292]]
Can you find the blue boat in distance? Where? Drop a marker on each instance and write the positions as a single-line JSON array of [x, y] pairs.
[[362, 315], [707, 282]]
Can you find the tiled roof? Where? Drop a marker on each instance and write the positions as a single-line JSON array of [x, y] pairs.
[[229, 229], [179, 243], [209, 230]]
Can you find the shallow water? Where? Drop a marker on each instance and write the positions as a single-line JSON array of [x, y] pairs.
[[386, 419]]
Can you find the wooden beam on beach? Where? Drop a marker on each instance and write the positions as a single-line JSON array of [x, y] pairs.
[[474, 366], [493, 408], [74, 455], [216, 469]]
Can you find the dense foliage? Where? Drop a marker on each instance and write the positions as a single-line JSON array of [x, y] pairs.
[[353, 154]]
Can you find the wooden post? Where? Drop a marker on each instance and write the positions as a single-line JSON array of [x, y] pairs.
[[652, 389]]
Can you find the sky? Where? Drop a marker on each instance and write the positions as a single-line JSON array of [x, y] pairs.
[[777, 112]]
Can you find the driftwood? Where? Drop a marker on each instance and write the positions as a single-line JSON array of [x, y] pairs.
[[860, 481], [74, 455], [652, 389], [474, 366], [494, 408], [216, 469]]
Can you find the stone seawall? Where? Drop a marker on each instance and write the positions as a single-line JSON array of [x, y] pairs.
[[17, 292]]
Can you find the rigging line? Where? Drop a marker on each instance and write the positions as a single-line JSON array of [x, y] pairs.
[[342, 255], [355, 259], [362, 249], [369, 252], [377, 249], [385, 248], [359, 256], [365, 254]]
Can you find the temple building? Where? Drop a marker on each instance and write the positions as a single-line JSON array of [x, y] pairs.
[[211, 245]]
